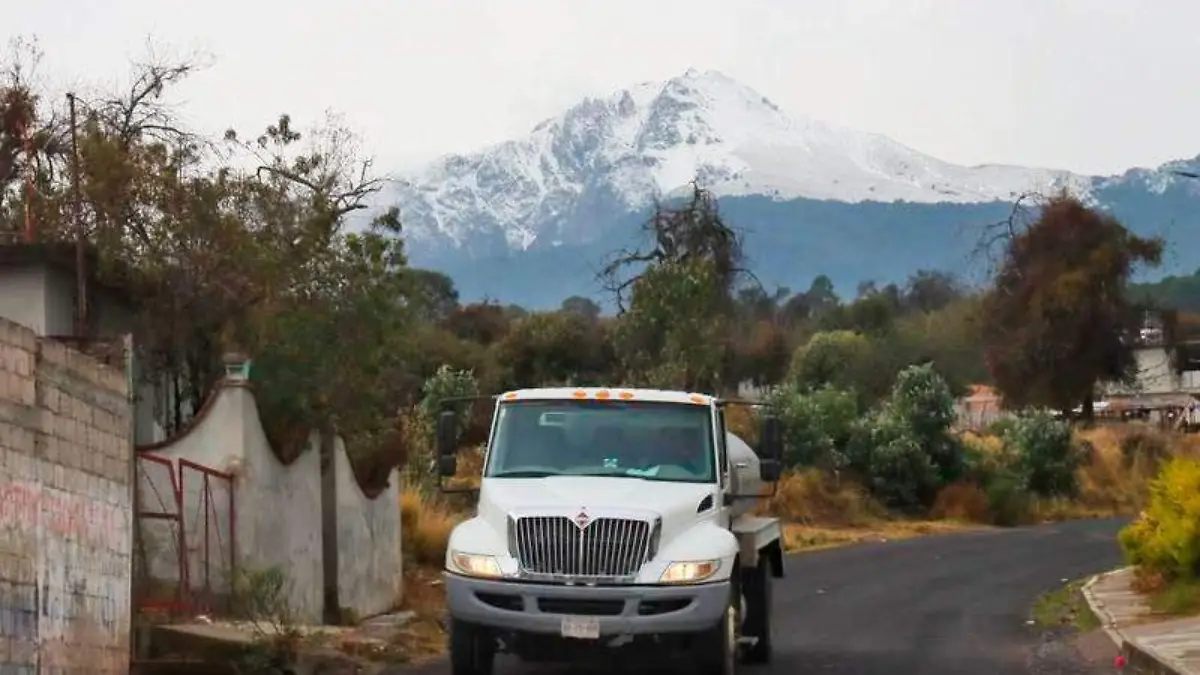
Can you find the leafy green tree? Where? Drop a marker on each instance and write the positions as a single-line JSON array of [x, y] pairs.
[[674, 332], [844, 360], [931, 290], [555, 348], [582, 307], [950, 338]]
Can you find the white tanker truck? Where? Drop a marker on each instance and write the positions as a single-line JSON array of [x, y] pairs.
[[613, 518]]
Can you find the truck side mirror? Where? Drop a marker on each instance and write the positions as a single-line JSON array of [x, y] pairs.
[[769, 470], [447, 433], [770, 439], [447, 466]]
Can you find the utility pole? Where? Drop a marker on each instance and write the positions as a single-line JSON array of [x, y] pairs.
[[81, 303]]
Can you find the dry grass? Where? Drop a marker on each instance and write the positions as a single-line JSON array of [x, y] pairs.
[[1124, 458], [427, 516], [424, 637], [798, 537], [822, 511], [816, 498], [963, 502], [425, 525]]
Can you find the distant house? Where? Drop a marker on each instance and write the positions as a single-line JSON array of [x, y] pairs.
[[979, 408], [39, 289], [1166, 384]]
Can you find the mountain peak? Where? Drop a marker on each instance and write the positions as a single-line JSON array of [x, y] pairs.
[[617, 153]]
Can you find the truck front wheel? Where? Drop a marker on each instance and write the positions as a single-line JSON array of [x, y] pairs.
[[472, 649]]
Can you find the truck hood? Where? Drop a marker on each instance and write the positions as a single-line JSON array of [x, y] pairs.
[[676, 503]]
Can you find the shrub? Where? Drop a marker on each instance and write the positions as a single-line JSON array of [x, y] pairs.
[[962, 501], [814, 496], [425, 525], [904, 450], [845, 360], [816, 425], [416, 426], [1166, 538], [892, 461], [1046, 457], [1008, 501], [922, 399]]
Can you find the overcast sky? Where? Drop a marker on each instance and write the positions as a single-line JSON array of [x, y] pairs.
[[1094, 86]]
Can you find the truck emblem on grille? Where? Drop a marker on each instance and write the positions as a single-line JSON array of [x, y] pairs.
[[582, 520]]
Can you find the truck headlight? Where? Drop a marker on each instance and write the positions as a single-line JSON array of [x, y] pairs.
[[475, 565], [689, 572]]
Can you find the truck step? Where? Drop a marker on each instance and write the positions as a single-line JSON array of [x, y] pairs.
[[748, 640]]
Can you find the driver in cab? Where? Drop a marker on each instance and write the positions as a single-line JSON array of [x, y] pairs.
[[679, 447]]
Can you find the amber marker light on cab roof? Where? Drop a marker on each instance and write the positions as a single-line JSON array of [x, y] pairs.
[[626, 395], [696, 398], [579, 394], [603, 395], [510, 395]]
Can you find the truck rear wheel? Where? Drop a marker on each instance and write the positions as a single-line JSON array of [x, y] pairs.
[[472, 649], [757, 587], [719, 645]]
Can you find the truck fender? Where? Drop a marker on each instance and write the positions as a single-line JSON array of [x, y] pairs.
[[476, 535], [703, 541]]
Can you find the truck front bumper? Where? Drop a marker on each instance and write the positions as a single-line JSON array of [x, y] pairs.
[[621, 610]]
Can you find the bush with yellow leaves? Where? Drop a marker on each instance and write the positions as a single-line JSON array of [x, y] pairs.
[[1165, 539]]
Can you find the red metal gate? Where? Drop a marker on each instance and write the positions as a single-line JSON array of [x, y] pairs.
[[209, 519], [185, 557], [159, 565]]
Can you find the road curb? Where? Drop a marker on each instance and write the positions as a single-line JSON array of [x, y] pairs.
[[1107, 621], [1141, 659]]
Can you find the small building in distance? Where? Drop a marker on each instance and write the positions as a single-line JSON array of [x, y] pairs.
[[979, 408], [39, 289], [1166, 386]]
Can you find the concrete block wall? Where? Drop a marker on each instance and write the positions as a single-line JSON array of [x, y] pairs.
[[65, 509]]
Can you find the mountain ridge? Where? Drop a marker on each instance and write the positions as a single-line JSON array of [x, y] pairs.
[[575, 185]]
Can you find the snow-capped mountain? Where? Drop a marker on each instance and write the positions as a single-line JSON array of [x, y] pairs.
[[529, 220], [652, 139]]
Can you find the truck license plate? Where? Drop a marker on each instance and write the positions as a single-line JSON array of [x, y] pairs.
[[581, 627]]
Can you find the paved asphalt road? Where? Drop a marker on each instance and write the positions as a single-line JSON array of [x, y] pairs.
[[932, 606]]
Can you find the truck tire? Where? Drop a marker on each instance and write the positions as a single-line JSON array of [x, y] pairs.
[[472, 649], [757, 587], [718, 646]]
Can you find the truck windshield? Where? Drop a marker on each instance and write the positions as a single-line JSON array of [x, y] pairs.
[[652, 441]]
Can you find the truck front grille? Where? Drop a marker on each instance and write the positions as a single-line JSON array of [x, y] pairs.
[[556, 546]]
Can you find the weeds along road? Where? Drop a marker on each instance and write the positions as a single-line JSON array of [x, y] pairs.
[[943, 605]]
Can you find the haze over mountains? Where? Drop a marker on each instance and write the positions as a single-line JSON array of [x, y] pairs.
[[530, 220]]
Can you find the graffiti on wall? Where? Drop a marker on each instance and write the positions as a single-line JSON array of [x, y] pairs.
[[64, 579], [59, 513]]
